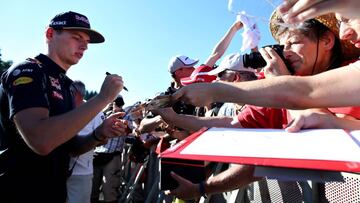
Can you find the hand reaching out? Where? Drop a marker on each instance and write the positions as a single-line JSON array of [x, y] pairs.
[[112, 126], [186, 189], [297, 11]]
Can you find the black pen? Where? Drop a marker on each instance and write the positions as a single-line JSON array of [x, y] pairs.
[[126, 89]]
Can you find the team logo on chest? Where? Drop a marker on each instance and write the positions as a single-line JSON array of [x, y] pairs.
[[55, 83]]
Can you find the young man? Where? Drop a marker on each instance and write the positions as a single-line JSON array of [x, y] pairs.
[[38, 121], [181, 66], [310, 49]]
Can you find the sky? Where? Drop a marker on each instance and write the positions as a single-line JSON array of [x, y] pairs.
[[140, 36]]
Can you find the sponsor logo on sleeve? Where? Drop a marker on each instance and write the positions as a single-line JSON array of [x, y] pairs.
[[56, 94], [22, 81], [27, 70], [16, 72]]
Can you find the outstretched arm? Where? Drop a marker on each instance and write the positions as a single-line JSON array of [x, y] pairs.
[[111, 127], [334, 88], [193, 123], [223, 44], [235, 177], [43, 133]]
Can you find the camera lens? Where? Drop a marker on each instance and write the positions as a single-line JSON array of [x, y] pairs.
[[255, 60]]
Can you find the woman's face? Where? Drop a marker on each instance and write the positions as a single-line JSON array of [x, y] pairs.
[[300, 52]]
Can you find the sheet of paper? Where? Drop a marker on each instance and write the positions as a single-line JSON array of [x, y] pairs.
[[356, 136], [319, 144]]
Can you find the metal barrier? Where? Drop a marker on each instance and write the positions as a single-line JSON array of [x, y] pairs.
[[132, 173], [275, 191], [264, 191], [268, 190], [348, 191], [283, 192]]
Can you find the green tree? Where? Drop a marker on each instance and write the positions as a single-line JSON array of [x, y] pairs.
[[90, 94], [4, 65]]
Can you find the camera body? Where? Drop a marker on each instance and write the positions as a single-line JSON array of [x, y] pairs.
[[255, 60], [180, 107]]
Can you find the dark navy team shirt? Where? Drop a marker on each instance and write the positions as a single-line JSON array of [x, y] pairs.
[[38, 82]]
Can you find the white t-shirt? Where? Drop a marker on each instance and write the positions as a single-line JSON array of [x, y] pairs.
[[84, 163]]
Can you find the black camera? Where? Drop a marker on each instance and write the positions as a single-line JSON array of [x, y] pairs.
[[180, 107], [255, 60]]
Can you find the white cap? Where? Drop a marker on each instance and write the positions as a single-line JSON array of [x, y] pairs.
[[181, 61], [231, 62]]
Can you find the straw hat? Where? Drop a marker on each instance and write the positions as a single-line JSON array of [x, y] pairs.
[[330, 21]]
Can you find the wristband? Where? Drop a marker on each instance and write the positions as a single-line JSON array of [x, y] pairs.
[[202, 189], [93, 134]]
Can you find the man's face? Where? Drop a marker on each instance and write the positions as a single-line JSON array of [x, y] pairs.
[[69, 46], [300, 52], [183, 72], [349, 30], [227, 76]]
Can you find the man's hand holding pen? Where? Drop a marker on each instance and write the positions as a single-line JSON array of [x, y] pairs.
[[126, 89], [111, 88]]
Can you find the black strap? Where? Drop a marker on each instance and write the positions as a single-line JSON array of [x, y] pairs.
[[70, 171], [202, 189]]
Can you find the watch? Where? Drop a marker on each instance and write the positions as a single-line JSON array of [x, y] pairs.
[[202, 189]]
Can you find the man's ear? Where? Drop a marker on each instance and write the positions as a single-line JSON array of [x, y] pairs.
[[49, 33], [328, 40]]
